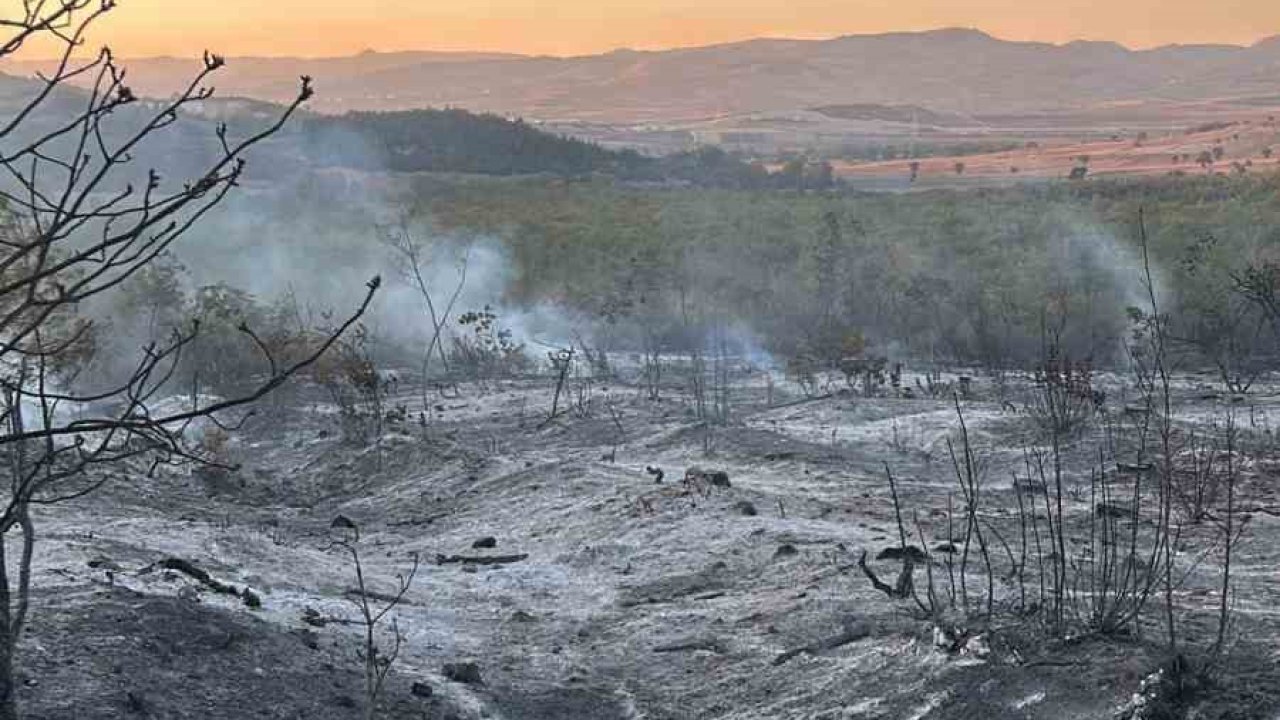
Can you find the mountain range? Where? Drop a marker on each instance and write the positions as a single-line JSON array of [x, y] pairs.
[[950, 71]]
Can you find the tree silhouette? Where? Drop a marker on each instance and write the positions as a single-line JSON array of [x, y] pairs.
[[80, 219]]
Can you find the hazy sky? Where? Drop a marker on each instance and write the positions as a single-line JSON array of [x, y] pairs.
[[307, 27]]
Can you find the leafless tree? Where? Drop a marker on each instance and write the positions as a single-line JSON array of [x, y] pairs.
[[80, 218], [416, 262]]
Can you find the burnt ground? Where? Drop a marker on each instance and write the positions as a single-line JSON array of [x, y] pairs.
[[635, 600]]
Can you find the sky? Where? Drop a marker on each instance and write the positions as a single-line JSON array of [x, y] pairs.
[[574, 27]]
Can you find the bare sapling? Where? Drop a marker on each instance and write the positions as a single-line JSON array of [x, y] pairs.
[[1158, 390], [416, 261], [1231, 531], [377, 655]]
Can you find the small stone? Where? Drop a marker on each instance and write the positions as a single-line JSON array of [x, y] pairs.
[[309, 639], [463, 672], [485, 543], [745, 508], [718, 478], [251, 599], [786, 550], [521, 616], [421, 689]]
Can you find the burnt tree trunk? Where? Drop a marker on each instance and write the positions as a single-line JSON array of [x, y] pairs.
[[8, 642]]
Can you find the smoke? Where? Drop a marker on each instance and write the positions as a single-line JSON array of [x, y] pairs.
[[294, 239], [1105, 277], [300, 227]]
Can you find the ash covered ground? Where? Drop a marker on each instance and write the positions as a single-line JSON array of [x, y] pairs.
[[622, 597]]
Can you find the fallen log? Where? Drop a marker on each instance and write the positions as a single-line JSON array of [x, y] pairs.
[[481, 559], [189, 569], [372, 595], [853, 633], [418, 521], [712, 644]]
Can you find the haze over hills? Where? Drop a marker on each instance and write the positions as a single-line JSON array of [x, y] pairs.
[[857, 99], [948, 71]]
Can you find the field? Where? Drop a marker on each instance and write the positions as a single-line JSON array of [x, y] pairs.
[[1245, 148]]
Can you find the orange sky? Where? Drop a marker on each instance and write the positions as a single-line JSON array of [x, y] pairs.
[[565, 27]]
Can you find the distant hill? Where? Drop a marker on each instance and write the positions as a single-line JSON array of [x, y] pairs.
[[458, 141], [946, 71], [453, 141]]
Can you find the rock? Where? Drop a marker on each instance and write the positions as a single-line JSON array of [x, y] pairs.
[[521, 616], [421, 689], [135, 702], [344, 701], [947, 548], [102, 563], [942, 640], [976, 647], [312, 617], [485, 542], [786, 550], [463, 672], [251, 599], [342, 522], [309, 639], [745, 507], [898, 553], [715, 478]]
